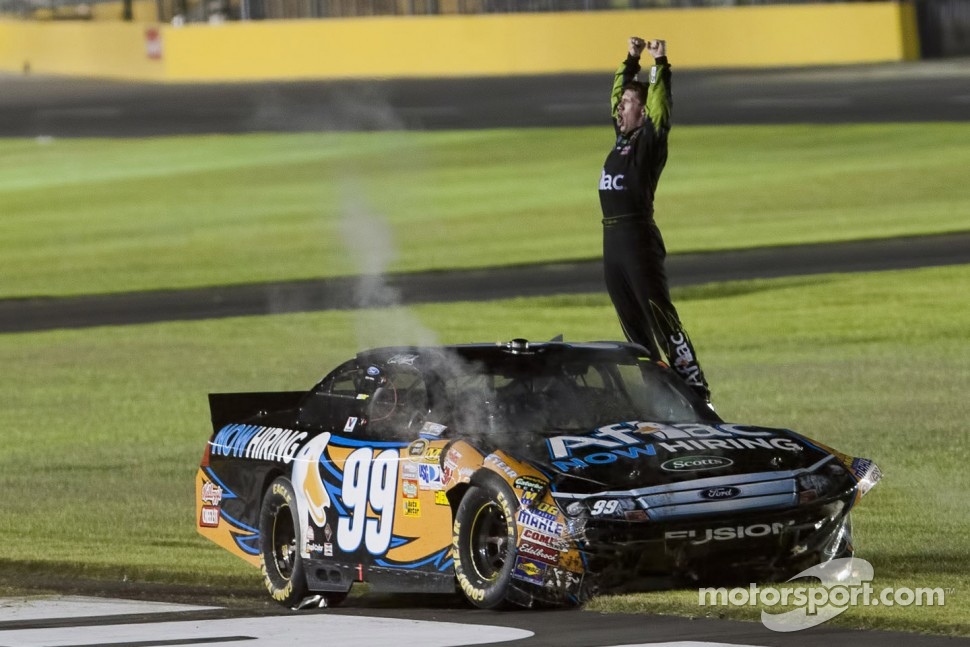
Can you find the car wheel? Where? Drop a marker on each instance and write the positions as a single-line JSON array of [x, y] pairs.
[[279, 541], [484, 543]]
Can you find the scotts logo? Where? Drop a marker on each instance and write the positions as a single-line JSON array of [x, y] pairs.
[[718, 493], [695, 463]]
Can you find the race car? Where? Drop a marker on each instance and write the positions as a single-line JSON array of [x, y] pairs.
[[513, 474]]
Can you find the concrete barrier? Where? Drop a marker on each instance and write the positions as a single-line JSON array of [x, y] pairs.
[[479, 45]]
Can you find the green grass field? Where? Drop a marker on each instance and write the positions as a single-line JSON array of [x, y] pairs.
[[82, 216], [104, 427]]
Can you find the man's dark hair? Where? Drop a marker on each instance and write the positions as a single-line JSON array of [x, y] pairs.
[[639, 88]]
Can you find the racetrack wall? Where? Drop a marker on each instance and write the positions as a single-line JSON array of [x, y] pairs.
[[463, 45]]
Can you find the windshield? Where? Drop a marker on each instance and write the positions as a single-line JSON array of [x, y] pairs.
[[536, 394]]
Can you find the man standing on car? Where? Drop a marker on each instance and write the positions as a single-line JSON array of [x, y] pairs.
[[633, 249]]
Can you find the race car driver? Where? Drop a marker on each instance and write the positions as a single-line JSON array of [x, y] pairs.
[[633, 249]]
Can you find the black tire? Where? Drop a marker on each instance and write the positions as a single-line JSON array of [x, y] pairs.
[[484, 543], [279, 541]]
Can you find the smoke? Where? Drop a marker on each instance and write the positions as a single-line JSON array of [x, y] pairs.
[[316, 107], [381, 319]]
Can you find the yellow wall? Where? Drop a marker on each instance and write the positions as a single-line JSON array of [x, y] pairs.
[[112, 49], [480, 45]]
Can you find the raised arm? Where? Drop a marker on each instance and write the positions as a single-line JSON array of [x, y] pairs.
[[659, 95], [626, 72]]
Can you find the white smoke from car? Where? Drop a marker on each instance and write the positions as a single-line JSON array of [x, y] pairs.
[[382, 320]]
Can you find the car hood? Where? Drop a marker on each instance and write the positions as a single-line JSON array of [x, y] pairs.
[[640, 454]]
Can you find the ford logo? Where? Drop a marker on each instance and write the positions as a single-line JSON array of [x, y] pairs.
[[695, 463], [718, 493]]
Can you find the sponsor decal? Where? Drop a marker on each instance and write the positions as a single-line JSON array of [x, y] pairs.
[[351, 424], [432, 455], [719, 493], [543, 539], [429, 476], [528, 570], [684, 363], [695, 463], [308, 481], [258, 443], [410, 471], [328, 550], [611, 182], [560, 578], [409, 488], [502, 465], [440, 498], [211, 493], [634, 439], [449, 464], [528, 518], [416, 449], [373, 371], [404, 360], [412, 508], [546, 510], [540, 553], [529, 484], [728, 533], [314, 548], [432, 430], [730, 444], [209, 518]]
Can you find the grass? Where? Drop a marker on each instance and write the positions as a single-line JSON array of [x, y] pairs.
[[89, 216], [103, 428]]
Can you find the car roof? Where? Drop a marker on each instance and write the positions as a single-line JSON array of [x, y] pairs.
[[605, 350]]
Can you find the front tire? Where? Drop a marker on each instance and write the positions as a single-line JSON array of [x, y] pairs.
[[484, 543], [279, 545]]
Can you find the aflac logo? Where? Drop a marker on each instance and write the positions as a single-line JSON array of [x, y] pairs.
[[611, 182]]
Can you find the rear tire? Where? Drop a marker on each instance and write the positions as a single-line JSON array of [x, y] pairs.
[[279, 545], [484, 543]]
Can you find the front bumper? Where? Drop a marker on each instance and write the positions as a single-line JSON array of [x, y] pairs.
[[754, 547]]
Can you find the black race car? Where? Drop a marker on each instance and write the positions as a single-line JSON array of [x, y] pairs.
[[517, 473]]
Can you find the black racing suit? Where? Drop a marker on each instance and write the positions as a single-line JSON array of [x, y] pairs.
[[633, 249]]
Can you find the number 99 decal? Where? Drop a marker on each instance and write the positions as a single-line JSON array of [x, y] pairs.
[[605, 507], [368, 481]]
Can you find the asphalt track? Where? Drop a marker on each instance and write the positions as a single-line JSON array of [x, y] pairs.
[[55, 107], [67, 107], [47, 107], [45, 313]]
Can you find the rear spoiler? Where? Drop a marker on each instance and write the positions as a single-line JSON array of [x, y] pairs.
[[226, 408]]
